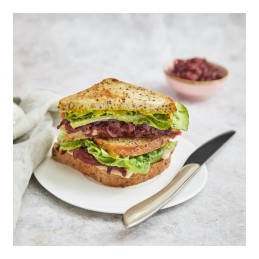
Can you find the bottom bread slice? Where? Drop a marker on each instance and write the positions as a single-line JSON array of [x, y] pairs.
[[109, 179]]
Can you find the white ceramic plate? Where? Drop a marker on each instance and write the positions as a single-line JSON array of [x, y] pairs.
[[77, 189]]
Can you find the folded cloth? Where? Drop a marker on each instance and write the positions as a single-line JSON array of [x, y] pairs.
[[33, 134]]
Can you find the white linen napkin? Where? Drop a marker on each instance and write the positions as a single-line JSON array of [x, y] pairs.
[[33, 133]]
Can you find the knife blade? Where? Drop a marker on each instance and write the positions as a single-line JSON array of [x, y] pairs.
[[204, 152], [145, 209]]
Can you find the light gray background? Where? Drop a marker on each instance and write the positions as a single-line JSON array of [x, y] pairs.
[[67, 53]]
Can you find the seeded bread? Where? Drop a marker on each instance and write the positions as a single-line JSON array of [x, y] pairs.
[[109, 179], [130, 147], [124, 146], [112, 94]]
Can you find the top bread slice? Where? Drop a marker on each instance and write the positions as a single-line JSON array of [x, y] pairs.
[[114, 95]]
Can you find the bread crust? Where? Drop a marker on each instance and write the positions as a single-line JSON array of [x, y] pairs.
[[109, 179], [113, 94], [130, 147]]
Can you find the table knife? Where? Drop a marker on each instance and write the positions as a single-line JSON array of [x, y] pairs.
[[145, 209]]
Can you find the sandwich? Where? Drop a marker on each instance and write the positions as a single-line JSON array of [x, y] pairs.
[[117, 133]]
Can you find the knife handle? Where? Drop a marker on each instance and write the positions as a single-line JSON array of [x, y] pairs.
[[143, 210]]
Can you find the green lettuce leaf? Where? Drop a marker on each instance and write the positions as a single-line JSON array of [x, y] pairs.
[[180, 117], [71, 145], [138, 164], [178, 121], [159, 121]]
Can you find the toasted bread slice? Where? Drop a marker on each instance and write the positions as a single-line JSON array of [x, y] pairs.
[[113, 95], [109, 179], [130, 147], [123, 146]]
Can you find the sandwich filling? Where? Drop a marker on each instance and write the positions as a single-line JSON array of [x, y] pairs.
[[114, 129], [87, 151], [126, 124]]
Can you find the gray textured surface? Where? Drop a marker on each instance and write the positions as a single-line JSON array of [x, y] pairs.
[[67, 53]]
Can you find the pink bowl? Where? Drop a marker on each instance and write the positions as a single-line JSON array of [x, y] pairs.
[[195, 90]]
